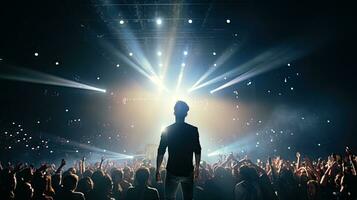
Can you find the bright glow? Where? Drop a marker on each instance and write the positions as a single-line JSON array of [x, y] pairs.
[[190, 21], [183, 64], [36, 54], [158, 82], [121, 21], [56, 63], [158, 21], [215, 64], [185, 53], [214, 53], [130, 54], [118, 65], [228, 21], [159, 53]]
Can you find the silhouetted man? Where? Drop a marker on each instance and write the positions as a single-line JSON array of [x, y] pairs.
[[182, 141]]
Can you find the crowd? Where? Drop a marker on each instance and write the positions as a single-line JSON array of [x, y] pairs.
[[229, 178]]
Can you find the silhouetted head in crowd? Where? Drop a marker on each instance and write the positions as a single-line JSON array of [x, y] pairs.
[[180, 111], [127, 173], [117, 175], [70, 182], [142, 176], [85, 185], [247, 173], [96, 176]]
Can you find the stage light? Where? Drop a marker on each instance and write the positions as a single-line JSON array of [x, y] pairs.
[[130, 54], [56, 63], [185, 53], [288, 64], [121, 21], [183, 64], [190, 21], [159, 53], [98, 78], [118, 65], [215, 64], [228, 21], [158, 21], [214, 53], [160, 65], [36, 54]]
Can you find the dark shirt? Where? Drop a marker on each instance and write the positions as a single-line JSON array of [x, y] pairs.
[[182, 140], [142, 193]]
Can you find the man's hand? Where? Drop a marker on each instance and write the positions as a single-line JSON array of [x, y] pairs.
[[158, 177], [196, 174]]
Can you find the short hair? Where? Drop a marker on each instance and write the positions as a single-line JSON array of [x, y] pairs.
[[70, 182], [142, 176], [181, 108], [248, 173]]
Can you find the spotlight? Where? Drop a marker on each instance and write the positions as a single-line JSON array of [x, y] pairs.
[[190, 21], [118, 65], [130, 54], [36, 54], [215, 64], [158, 21], [183, 64], [185, 53], [160, 65], [121, 21], [214, 53], [228, 21], [56, 63], [288, 64], [159, 53]]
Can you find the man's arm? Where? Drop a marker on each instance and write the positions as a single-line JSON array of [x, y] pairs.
[[197, 150], [160, 154]]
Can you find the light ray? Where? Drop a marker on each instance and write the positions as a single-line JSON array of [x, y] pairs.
[[275, 61], [219, 62], [179, 80], [31, 76]]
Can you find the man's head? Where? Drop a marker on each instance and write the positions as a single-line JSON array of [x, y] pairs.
[[181, 108], [142, 176], [70, 182]]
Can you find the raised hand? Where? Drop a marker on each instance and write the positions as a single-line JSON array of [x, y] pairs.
[[63, 162]]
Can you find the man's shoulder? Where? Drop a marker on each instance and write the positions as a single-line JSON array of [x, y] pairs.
[[176, 125], [191, 126]]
